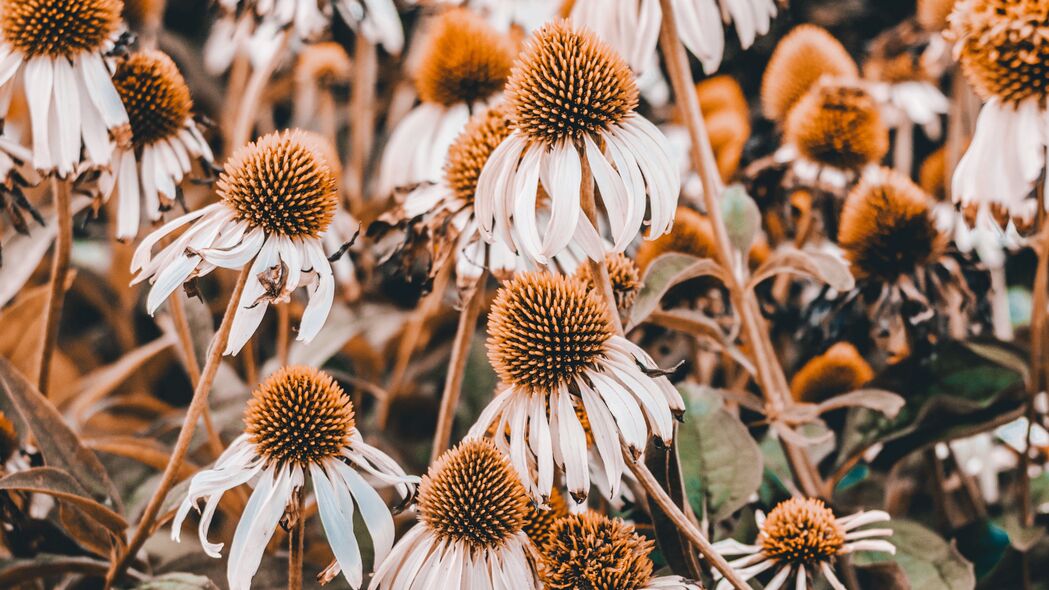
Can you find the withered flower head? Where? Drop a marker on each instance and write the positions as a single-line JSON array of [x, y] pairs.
[[539, 524], [59, 28], [1003, 46], [692, 234], [469, 152], [472, 495], [155, 95], [568, 83], [592, 551], [299, 415], [801, 531], [465, 60], [281, 184], [546, 329], [839, 370], [624, 275], [887, 228], [801, 58], [837, 124]]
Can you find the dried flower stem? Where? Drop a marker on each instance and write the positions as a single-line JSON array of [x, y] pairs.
[[362, 120], [296, 538], [249, 101], [453, 382], [598, 268], [60, 190], [283, 331], [185, 339], [770, 374], [903, 148], [189, 425]]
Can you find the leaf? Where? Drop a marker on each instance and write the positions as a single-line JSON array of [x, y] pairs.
[[821, 266], [930, 562], [178, 581], [99, 383], [34, 416], [884, 575], [146, 451], [721, 464], [17, 571], [60, 485], [886, 403], [675, 548], [663, 273]]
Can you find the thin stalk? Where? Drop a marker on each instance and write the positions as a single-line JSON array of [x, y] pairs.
[[903, 148], [185, 339], [189, 425], [296, 539], [598, 268], [253, 92], [453, 382], [362, 120], [283, 331], [59, 271]]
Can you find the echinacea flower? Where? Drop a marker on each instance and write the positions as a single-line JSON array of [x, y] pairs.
[[623, 274], [298, 427], [1003, 48], [903, 76], [573, 101], [470, 533], [462, 69], [802, 537], [539, 524], [590, 550], [58, 48], [840, 369], [277, 200], [164, 140], [801, 58], [552, 345]]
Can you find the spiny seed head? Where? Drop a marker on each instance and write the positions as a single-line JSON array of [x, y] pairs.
[[546, 329], [325, 149], [9, 440], [465, 60], [692, 234], [471, 149], [1003, 46], [299, 416], [595, 552], [472, 495], [837, 124], [155, 96], [932, 14], [539, 524], [59, 28], [801, 532], [887, 228], [624, 275], [801, 58], [839, 370], [932, 175], [567, 84], [280, 183]]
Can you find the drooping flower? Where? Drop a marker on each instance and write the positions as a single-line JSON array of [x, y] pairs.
[[277, 201], [299, 427]]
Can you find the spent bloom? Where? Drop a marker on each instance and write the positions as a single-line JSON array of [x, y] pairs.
[[573, 100], [298, 427], [802, 537], [55, 52], [277, 200], [562, 366]]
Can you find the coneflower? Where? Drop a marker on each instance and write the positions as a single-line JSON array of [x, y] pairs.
[[839, 370], [472, 510], [462, 69], [573, 97], [801, 538], [164, 140], [278, 199], [801, 58], [902, 71], [539, 524], [624, 275], [299, 426], [552, 346], [58, 48]]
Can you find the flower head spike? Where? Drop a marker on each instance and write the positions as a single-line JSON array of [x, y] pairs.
[[277, 201], [573, 99], [58, 48], [299, 427], [164, 140], [463, 68], [539, 524], [1003, 48], [803, 537], [552, 345], [590, 550], [624, 276], [801, 58], [472, 511]]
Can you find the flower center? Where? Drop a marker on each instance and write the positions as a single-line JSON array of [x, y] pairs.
[[471, 149], [299, 416], [465, 61], [838, 125], [281, 184], [546, 329], [592, 551], [539, 524], [801, 58], [801, 531], [839, 370], [624, 275], [472, 495], [59, 28], [567, 84], [155, 96]]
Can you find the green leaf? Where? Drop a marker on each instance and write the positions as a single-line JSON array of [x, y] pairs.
[[673, 546], [930, 562], [178, 581], [663, 273], [721, 464]]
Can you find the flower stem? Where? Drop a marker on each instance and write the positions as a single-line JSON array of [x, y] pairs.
[[453, 382], [598, 268], [189, 425], [59, 271], [362, 115], [283, 331], [296, 538], [249, 102], [185, 339]]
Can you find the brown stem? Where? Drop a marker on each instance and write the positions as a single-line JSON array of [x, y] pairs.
[[189, 425], [598, 268], [460, 354], [283, 331], [59, 271], [245, 115], [185, 339], [296, 539], [362, 115]]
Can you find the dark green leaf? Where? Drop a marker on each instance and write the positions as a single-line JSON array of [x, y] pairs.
[[930, 562]]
